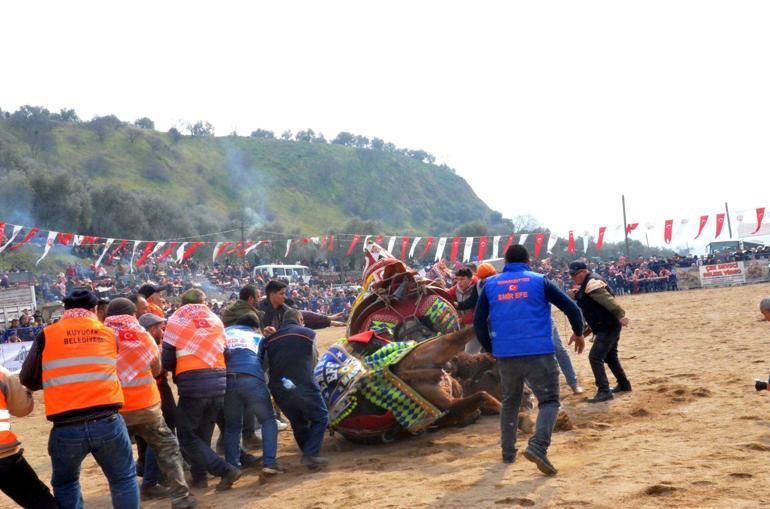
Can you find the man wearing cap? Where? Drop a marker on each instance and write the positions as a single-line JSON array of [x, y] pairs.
[[138, 362], [74, 362], [605, 317], [154, 299], [513, 322]]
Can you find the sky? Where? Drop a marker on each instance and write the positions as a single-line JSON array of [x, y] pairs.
[[553, 109]]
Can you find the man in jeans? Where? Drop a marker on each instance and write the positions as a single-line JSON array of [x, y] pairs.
[[247, 394], [605, 317], [73, 361], [513, 322]]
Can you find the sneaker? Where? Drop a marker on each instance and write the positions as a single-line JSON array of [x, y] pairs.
[[509, 458], [281, 426], [576, 389], [272, 470], [153, 492], [541, 460], [601, 396], [621, 388], [187, 502], [228, 479], [314, 462]]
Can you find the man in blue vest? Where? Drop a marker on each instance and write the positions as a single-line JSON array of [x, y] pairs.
[[513, 322]]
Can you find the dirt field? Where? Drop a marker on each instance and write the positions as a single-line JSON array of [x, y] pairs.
[[692, 434]]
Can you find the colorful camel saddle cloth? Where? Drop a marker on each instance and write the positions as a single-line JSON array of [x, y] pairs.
[[384, 389], [338, 373], [415, 320]]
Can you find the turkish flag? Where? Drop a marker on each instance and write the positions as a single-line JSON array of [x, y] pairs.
[[508, 243], [631, 227], [428, 243], [404, 246], [455, 248], [235, 249], [600, 240], [63, 238], [353, 243], [538, 243], [760, 216], [189, 252], [703, 221], [482, 247], [571, 243], [222, 249], [145, 253], [331, 243], [720, 224], [667, 230], [170, 249], [26, 239]]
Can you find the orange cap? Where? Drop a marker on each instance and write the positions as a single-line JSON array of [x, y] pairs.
[[485, 270]]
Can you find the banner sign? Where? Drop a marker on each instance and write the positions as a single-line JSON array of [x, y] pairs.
[[12, 355], [730, 273]]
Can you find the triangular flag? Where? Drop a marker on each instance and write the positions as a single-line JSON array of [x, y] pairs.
[[180, 252], [538, 243], [668, 231], [414, 245], [353, 243], [720, 224], [585, 244], [26, 239], [468, 249], [63, 238], [428, 243], [251, 247], [760, 216], [482, 247], [168, 251], [522, 241], [495, 244], [440, 249], [77, 240], [189, 251], [14, 233], [509, 241], [133, 254], [404, 246], [703, 221], [600, 240], [48, 245], [391, 244], [145, 254], [552, 239], [104, 252], [455, 249], [246, 248], [631, 227], [288, 248]]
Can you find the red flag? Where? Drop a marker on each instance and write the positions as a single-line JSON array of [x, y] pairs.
[[88, 239], [235, 249], [703, 221], [322, 246], [379, 239], [600, 240], [63, 238], [667, 230], [117, 249], [571, 243], [508, 243], [189, 251], [404, 246], [168, 251], [242, 252], [631, 227], [353, 243], [760, 215], [720, 224], [455, 248], [482, 247], [331, 243], [26, 239], [222, 248], [2, 229], [538, 243], [428, 243], [145, 253]]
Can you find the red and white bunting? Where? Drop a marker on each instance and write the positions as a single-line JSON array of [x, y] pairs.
[[107, 246], [48, 245], [16, 230], [440, 249]]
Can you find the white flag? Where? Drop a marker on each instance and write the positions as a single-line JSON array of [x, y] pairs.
[[157, 247], [391, 244], [77, 240], [414, 245], [216, 250], [48, 245], [251, 248], [551, 242], [288, 248], [495, 244], [106, 247], [180, 252], [468, 249], [16, 230], [440, 248], [585, 244], [523, 238], [366, 242], [133, 253]]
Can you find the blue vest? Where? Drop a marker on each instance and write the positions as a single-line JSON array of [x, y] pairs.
[[519, 314], [242, 347]]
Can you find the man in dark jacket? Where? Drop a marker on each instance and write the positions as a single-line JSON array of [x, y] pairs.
[[290, 356], [605, 317], [513, 322], [248, 299]]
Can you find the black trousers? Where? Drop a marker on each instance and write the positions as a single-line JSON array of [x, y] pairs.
[[21, 484], [605, 350]]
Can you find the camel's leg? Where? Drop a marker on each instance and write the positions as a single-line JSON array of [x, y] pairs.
[[439, 350]]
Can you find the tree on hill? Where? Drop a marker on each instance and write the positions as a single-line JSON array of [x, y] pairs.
[[174, 134], [67, 115], [103, 125], [344, 138], [35, 124], [262, 133], [306, 136], [144, 123], [286, 135], [201, 128]]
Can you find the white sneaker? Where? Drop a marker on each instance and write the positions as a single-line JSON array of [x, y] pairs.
[[281, 425]]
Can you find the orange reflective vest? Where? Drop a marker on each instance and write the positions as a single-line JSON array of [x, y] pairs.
[[186, 361], [7, 439], [79, 366], [155, 310], [141, 392]]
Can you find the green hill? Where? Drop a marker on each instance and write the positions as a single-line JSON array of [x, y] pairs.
[[114, 179]]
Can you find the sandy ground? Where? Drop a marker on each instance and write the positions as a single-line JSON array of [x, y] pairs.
[[694, 433]]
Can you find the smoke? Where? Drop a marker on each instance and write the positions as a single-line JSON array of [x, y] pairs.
[[250, 185]]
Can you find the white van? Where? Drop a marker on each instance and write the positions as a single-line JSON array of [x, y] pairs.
[[291, 273]]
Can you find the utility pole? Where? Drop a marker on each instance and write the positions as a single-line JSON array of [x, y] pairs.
[[625, 227], [243, 237], [729, 225]]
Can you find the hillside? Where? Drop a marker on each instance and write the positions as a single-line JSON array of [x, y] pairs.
[[113, 179]]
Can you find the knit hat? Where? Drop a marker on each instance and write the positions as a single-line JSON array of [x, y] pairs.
[[80, 298], [121, 306]]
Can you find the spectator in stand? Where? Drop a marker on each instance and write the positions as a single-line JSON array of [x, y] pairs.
[[154, 297]]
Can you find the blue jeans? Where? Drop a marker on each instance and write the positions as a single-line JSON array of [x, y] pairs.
[[306, 410], [195, 426], [562, 356], [542, 375], [246, 397], [107, 440]]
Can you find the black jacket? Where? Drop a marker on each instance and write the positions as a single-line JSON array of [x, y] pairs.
[[599, 318]]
